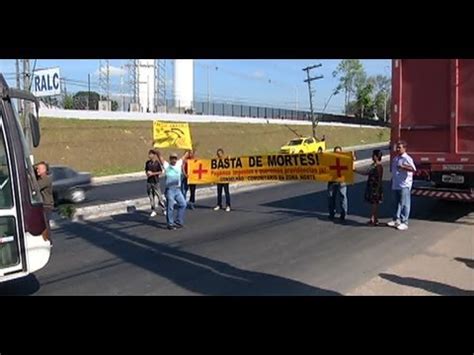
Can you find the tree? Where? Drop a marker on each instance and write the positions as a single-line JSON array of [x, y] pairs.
[[381, 83], [82, 99], [363, 106], [351, 74], [382, 88], [68, 102]]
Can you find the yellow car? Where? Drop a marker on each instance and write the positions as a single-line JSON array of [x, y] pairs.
[[303, 145]]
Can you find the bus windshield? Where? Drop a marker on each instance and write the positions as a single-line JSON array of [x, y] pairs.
[[35, 195], [25, 246], [6, 201], [9, 255]]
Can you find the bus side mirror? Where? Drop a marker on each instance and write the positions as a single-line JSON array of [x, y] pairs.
[[35, 130]]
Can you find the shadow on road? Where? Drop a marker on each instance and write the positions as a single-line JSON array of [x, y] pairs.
[[192, 272], [20, 287], [141, 217], [315, 204], [430, 286]]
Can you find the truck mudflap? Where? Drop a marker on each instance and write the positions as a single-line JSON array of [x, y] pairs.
[[444, 194]]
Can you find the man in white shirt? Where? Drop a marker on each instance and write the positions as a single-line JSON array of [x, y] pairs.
[[402, 181]]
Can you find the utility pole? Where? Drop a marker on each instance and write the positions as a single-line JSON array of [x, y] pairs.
[[104, 78], [88, 92], [297, 100], [26, 104], [208, 91], [309, 80], [18, 81], [121, 90], [17, 67], [148, 93]]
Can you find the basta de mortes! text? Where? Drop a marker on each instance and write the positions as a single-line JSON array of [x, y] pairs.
[[271, 161]]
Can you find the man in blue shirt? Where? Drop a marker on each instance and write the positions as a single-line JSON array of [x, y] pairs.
[[402, 181], [172, 172]]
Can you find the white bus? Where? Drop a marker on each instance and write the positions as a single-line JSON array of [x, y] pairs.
[[25, 245]]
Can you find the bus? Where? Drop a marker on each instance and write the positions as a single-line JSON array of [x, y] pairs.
[[25, 245]]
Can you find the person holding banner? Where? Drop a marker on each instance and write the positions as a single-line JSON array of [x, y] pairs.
[[220, 187], [184, 182], [337, 188], [173, 176]]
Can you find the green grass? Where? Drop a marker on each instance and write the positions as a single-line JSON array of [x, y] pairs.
[[119, 147]]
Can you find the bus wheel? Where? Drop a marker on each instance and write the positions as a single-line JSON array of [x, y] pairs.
[[320, 150]]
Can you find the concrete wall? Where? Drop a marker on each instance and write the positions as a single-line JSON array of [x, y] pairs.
[[138, 116]]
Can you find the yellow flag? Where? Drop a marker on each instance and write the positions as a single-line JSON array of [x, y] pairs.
[[171, 135]]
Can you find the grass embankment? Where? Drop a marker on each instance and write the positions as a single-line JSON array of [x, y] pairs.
[[117, 147]]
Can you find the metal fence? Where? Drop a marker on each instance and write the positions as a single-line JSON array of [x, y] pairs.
[[241, 110]]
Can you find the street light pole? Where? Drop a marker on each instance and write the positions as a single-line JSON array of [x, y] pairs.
[[297, 99], [208, 90], [386, 99]]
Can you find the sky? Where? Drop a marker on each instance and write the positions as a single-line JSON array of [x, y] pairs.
[[276, 83]]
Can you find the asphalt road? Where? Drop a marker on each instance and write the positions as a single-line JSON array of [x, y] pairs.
[[137, 189], [276, 241]]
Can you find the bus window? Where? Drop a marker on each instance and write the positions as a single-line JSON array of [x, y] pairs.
[[9, 255], [6, 200]]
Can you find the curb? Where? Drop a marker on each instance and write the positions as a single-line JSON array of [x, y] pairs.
[[129, 206]]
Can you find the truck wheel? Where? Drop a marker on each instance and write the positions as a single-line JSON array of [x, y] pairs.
[[320, 150], [301, 152]]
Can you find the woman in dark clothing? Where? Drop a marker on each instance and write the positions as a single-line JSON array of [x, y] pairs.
[[374, 188]]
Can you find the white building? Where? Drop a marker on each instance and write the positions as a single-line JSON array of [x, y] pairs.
[[184, 83], [146, 84]]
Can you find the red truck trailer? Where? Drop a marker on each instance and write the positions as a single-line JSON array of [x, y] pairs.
[[433, 111]]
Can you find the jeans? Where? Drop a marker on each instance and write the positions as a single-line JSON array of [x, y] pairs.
[[192, 189], [174, 195], [154, 193], [334, 189], [402, 204], [219, 194]]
